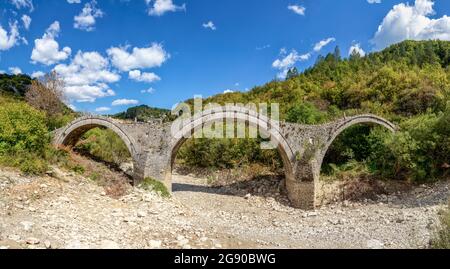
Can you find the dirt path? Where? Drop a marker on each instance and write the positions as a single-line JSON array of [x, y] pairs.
[[74, 212]]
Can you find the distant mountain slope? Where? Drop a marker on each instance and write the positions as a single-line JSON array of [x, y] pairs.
[[144, 113], [405, 79], [14, 84]]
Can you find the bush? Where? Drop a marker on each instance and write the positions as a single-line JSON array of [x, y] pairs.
[[442, 237], [306, 113], [105, 145], [22, 129], [157, 186]]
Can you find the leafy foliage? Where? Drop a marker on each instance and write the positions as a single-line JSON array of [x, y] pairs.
[[104, 145], [14, 84], [145, 113], [154, 185]]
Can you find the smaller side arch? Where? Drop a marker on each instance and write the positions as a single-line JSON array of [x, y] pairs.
[[69, 135], [341, 126]]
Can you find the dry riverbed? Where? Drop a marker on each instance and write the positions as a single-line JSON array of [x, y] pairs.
[[70, 211]]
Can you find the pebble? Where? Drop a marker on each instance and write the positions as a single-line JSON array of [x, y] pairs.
[[32, 241], [27, 225], [155, 244], [375, 244]]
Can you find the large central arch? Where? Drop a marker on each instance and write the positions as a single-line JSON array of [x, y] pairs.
[[265, 125]]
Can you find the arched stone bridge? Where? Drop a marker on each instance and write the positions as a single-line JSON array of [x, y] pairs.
[[153, 146]]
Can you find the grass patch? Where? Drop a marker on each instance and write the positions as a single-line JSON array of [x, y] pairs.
[[442, 237], [157, 186]]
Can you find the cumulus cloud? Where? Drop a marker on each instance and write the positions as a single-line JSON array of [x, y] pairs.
[[287, 61], [139, 58], [160, 7], [19, 4], [87, 77], [26, 20], [406, 21], [137, 75], [209, 25], [149, 90], [46, 49], [87, 18], [290, 59], [124, 102], [37, 74], [15, 70], [356, 48], [297, 9], [374, 1], [9, 40], [319, 45]]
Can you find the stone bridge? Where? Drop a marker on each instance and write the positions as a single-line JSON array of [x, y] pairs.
[[154, 146]]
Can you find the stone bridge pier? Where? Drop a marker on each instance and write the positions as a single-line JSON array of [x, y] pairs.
[[154, 146]]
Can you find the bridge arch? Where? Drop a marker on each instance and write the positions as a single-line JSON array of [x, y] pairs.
[[346, 123], [265, 125], [69, 135]]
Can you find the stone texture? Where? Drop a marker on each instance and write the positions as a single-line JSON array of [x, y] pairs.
[[154, 148]]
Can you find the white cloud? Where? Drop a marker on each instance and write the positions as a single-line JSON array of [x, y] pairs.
[[46, 49], [153, 56], [37, 74], [356, 48], [74, 1], [124, 102], [15, 70], [87, 77], [102, 109], [23, 4], [323, 43], [149, 90], [9, 40], [26, 21], [406, 21], [374, 1], [159, 7], [209, 25], [288, 61], [297, 9], [137, 75], [228, 91], [87, 18]]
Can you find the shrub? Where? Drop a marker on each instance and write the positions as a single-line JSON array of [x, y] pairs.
[[105, 145], [305, 113], [442, 237], [157, 186], [22, 129]]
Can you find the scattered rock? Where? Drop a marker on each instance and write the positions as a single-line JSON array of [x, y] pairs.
[[32, 241], [27, 225], [155, 244], [375, 244]]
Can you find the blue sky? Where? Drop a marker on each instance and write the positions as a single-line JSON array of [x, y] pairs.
[[117, 53]]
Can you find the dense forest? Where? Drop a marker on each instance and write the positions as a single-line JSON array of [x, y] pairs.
[[407, 83]]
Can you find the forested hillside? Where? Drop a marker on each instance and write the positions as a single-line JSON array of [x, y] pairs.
[[408, 83]]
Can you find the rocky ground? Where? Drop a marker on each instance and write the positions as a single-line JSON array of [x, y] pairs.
[[70, 211]]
